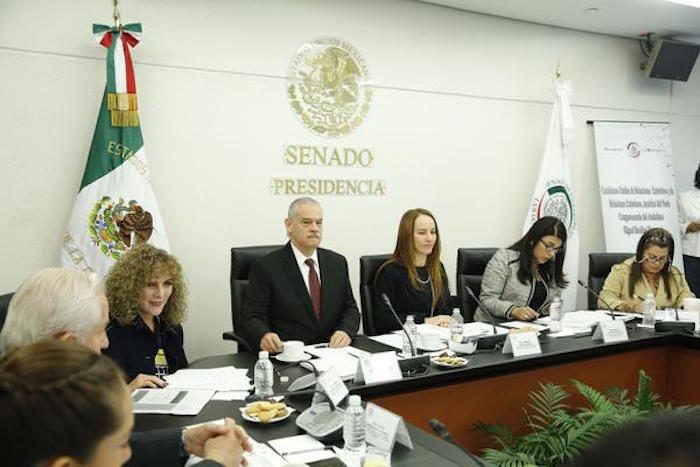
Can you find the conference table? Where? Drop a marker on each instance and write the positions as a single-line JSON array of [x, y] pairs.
[[492, 388]]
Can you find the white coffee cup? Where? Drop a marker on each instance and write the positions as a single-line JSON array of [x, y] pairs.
[[430, 340], [292, 350], [691, 304]]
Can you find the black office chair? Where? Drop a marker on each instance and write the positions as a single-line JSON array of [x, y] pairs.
[[368, 299], [599, 266], [242, 258], [4, 305], [471, 263]]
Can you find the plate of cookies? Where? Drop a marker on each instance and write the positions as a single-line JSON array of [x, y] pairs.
[[449, 361], [266, 412]]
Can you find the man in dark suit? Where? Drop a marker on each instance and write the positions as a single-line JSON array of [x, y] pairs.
[[300, 292]]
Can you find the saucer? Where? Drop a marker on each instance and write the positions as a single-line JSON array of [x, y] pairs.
[[441, 346], [303, 358]]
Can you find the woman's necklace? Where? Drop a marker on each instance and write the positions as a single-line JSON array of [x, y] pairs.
[[424, 282]]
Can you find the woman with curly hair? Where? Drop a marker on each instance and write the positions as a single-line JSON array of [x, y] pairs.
[[147, 303]]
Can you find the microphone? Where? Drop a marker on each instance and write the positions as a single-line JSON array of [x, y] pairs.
[[416, 364], [580, 282], [387, 302], [488, 342], [442, 432]]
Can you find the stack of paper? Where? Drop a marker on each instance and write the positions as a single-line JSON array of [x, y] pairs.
[[301, 449], [343, 360], [171, 401], [229, 382]]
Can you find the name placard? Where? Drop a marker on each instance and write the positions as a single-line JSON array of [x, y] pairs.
[[611, 331], [378, 368], [521, 344], [385, 428], [330, 383]]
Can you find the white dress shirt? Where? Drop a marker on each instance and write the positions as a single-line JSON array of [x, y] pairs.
[[304, 268], [689, 206]]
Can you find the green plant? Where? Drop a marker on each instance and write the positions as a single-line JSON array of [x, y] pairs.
[[556, 432]]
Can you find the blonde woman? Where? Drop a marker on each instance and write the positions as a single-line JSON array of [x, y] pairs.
[[147, 303]]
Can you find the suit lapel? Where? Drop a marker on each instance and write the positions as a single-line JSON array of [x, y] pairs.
[[294, 274]]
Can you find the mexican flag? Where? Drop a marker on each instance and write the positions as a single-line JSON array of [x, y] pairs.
[[553, 194], [115, 208]]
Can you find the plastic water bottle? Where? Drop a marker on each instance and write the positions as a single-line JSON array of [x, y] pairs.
[[354, 427], [161, 364], [649, 317], [555, 315], [262, 374], [456, 328], [412, 330]]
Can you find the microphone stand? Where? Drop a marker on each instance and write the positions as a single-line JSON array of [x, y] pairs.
[[490, 342], [417, 364], [580, 282]]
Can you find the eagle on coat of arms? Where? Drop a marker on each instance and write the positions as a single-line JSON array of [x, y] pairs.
[[114, 228]]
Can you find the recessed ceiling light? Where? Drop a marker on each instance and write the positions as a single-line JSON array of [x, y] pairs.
[[693, 3], [593, 10]]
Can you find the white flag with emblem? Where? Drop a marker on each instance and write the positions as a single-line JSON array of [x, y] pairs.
[[553, 194]]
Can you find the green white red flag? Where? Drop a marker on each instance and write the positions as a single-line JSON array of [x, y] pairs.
[[115, 208]]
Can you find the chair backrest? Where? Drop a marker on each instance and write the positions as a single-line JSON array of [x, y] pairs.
[[599, 266], [471, 263], [4, 305], [242, 259], [368, 298]]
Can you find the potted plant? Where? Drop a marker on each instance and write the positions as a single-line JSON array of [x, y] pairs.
[[557, 432]]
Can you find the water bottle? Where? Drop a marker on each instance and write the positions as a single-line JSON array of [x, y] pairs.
[[555, 315], [262, 374], [456, 328], [412, 331], [649, 317], [354, 427], [161, 364]]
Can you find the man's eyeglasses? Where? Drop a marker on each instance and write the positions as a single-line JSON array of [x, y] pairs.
[[654, 259], [550, 248]]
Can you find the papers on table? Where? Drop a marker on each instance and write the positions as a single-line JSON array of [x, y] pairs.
[[392, 340], [523, 324], [225, 378], [171, 401], [301, 449], [475, 329], [584, 320], [343, 360], [230, 395]]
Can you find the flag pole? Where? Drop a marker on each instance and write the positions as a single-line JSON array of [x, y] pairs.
[[115, 13]]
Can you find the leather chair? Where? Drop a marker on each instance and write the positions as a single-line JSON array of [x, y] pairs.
[[368, 298], [4, 305], [242, 258], [471, 263], [599, 266]]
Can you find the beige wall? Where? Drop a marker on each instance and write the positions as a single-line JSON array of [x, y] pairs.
[[460, 111]]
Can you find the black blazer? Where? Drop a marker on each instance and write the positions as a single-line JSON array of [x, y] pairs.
[[278, 301]]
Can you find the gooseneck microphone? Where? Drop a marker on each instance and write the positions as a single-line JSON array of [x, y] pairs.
[[442, 432], [417, 364], [387, 302], [481, 305], [580, 282], [488, 342]]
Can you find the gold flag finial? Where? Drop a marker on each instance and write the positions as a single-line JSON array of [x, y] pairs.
[[115, 13], [558, 71]]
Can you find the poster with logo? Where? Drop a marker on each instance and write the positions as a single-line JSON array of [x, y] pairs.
[[637, 183]]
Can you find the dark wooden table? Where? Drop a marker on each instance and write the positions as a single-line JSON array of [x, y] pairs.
[[492, 388]]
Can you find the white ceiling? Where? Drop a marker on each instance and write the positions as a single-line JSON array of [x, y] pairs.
[[626, 18]]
